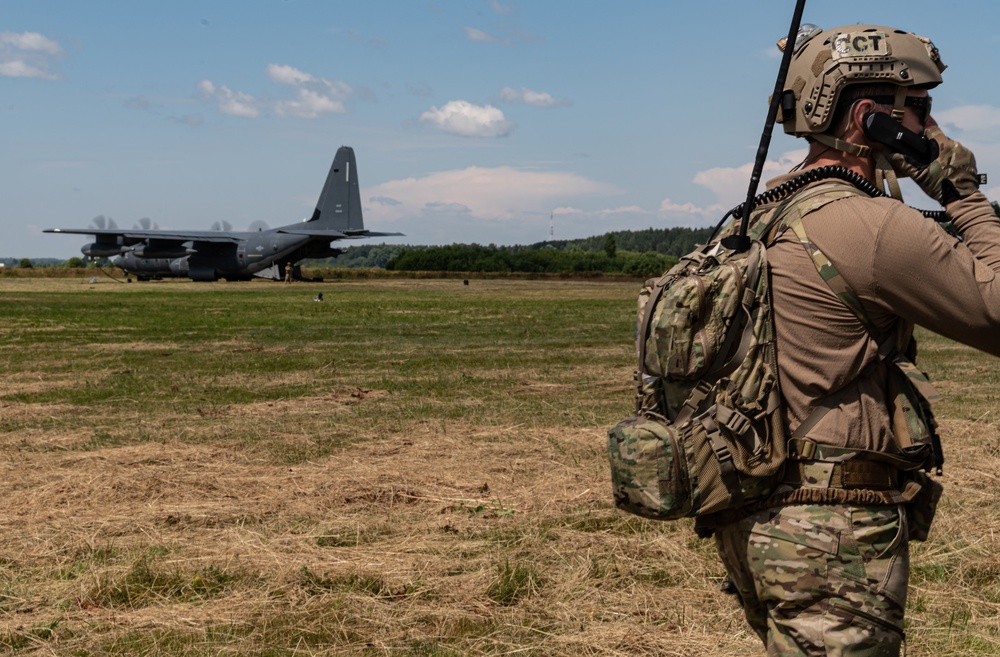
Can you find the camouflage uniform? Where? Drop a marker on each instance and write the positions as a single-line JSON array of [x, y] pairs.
[[821, 579], [821, 566], [829, 577]]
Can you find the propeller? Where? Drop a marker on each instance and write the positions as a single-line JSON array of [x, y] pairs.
[[258, 225], [100, 222], [222, 226], [146, 224]]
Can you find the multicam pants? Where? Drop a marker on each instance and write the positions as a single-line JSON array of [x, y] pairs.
[[821, 580]]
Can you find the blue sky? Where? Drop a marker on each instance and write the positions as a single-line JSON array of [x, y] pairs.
[[472, 120]]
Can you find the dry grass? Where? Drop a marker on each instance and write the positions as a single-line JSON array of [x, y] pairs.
[[236, 528]]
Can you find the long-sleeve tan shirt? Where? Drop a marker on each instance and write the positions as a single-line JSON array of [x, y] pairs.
[[899, 264]]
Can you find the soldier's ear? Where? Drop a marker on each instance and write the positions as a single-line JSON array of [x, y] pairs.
[[859, 109]]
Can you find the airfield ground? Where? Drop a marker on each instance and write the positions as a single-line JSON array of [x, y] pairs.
[[411, 467]]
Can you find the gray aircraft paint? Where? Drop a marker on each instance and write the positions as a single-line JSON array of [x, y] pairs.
[[240, 255]]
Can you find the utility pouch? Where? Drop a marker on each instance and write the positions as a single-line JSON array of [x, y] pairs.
[[663, 471], [649, 473]]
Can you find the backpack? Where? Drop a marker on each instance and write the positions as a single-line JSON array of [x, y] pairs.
[[707, 436]]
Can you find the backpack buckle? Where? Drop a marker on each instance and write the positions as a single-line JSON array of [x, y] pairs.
[[736, 422], [802, 449], [722, 453], [698, 395]]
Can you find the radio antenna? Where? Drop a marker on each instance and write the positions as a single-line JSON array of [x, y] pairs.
[[740, 242]]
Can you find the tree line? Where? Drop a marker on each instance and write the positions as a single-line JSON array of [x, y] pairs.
[[493, 259], [642, 252], [634, 252], [645, 252]]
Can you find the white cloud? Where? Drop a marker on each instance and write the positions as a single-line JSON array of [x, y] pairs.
[[233, 103], [729, 184], [487, 194], [970, 116], [460, 117], [982, 121], [27, 55], [313, 96], [508, 206], [534, 98], [30, 41], [626, 209], [309, 105], [288, 75], [478, 35], [18, 68], [667, 206]]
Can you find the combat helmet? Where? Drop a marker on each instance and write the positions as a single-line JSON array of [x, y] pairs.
[[826, 62]]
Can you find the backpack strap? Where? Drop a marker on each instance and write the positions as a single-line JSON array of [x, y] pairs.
[[889, 348]]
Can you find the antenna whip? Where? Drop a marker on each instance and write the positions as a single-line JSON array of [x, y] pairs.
[[741, 242]]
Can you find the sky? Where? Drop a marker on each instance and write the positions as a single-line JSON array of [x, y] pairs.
[[473, 121]]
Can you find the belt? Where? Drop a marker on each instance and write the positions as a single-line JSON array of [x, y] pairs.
[[859, 473]]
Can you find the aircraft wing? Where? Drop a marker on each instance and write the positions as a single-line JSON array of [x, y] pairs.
[[336, 234], [161, 235], [325, 234]]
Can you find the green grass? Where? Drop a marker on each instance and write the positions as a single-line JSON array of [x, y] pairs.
[[412, 467], [435, 349], [513, 583]]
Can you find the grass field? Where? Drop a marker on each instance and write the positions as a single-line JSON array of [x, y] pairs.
[[412, 467]]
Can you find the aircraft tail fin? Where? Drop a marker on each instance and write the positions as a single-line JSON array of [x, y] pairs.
[[339, 205]]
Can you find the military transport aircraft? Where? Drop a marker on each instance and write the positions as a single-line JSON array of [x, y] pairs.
[[232, 255]]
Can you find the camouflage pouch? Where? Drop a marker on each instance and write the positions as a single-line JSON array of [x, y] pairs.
[[663, 471], [649, 474], [708, 435]]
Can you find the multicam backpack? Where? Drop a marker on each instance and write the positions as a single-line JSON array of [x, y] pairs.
[[708, 435], [705, 436]]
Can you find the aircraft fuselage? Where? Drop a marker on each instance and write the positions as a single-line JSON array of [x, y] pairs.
[[248, 255]]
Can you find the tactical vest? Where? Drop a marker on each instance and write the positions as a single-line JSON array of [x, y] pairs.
[[910, 393], [812, 466]]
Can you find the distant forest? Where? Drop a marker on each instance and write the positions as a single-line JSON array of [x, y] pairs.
[[644, 252], [640, 252]]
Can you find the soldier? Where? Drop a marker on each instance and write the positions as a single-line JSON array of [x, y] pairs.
[[823, 568], [288, 271]]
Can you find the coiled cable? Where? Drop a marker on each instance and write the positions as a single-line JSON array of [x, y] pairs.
[[809, 176]]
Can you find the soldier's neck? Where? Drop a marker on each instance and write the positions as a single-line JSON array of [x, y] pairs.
[[820, 155]]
